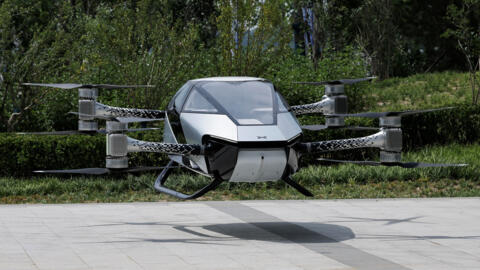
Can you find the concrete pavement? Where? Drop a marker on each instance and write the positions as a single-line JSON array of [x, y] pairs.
[[402, 234]]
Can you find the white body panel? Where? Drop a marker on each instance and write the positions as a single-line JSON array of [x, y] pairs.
[[259, 134], [259, 165], [288, 125], [195, 125]]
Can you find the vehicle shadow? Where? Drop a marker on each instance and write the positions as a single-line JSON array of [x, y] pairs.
[[279, 232], [304, 232]]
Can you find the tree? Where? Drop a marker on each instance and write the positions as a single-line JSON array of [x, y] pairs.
[[376, 35], [465, 29], [251, 35], [24, 33]]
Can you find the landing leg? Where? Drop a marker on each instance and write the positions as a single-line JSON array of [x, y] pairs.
[[295, 185], [162, 178]]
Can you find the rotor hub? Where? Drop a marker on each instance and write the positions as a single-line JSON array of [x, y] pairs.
[[87, 125], [390, 157], [116, 162], [334, 121], [86, 109], [390, 121], [334, 89], [116, 127], [88, 93]]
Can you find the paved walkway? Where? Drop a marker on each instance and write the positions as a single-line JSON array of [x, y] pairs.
[[333, 234]]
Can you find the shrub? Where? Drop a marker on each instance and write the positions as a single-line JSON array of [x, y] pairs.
[[21, 154]]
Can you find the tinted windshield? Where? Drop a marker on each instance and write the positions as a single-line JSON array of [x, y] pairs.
[[250, 103]]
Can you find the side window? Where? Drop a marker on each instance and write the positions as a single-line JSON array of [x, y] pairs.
[[197, 103], [180, 96]]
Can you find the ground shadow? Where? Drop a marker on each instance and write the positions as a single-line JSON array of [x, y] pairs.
[[280, 232], [302, 232]]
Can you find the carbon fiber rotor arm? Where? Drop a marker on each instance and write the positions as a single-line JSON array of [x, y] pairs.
[[134, 145], [317, 107], [110, 111], [376, 140]]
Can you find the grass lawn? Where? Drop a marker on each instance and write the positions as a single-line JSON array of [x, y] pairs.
[[326, 182], [420, 91]]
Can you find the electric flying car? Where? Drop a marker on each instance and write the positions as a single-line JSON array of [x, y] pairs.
[[237, 129]]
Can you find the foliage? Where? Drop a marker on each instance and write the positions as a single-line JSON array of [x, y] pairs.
[[32, 45], [466, 30], [251, 35], [326, 182], [377, 35], [22, 154], [399, 37], [420, 91]]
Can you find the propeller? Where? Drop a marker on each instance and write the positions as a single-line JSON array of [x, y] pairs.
[[76, 85], [408, 165], [386, 114], [78, 132], [341, 81], [61, 132], [322, 127], [136, 119], [101, 171]]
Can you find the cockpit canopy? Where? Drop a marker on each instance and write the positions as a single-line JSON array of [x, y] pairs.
[[250, 102]]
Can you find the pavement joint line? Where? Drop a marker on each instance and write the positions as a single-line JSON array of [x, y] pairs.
[[311, 240]]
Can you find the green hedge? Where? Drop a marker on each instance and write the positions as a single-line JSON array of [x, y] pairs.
[[21, 154]]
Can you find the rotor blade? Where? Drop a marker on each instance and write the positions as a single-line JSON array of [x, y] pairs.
[[92, 171], [353, 81], [342, 81], [62, 132], [76, 85], [426, 165], [314, 127], [425, 111], [116, 86], [359, 162], [365, 114], [102, 171], [385, 114], [136, 119], [407, 165], [322, 127], [141, 129], [144, 169], [110, 118], [56, 85], [361, 128]]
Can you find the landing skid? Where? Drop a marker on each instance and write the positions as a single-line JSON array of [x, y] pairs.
[[297, 186], [162, 178]]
